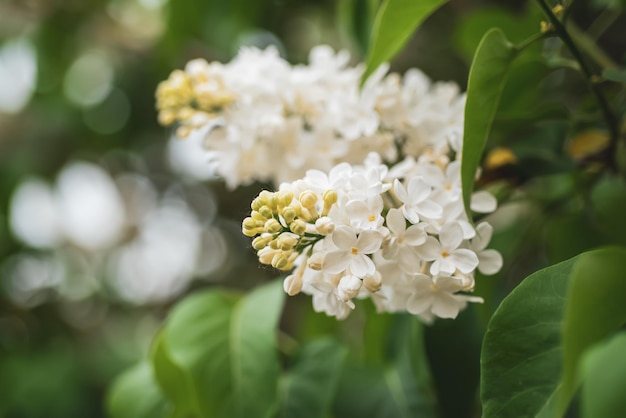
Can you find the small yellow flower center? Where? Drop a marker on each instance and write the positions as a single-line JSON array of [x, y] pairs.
[[372, 218], [445, 254], [354, 251], [448, 187]]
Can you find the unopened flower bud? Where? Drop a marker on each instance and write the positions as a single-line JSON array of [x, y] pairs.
[[373, 283], [324, 225], [349, 287], [250, 223], [281, 260], [284, 198], [287, 241], [330, 198], [273, 226], [298, 227], [261, 242], [289, 214], [266, 255], [293, 284], [308, 199], [316, 261], [266, 212]]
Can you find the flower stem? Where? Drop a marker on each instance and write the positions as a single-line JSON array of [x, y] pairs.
[[609, 117]]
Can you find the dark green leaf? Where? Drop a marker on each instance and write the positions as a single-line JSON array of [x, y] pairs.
[[395, 22], [521, 353], [615, 74], [604, 373], [135, 394], [580, 300], [310, 386], [595, 308], [609, 205], [487, 78]]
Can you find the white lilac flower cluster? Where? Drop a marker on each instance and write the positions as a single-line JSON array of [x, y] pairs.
[[399, 236], [261, 119]]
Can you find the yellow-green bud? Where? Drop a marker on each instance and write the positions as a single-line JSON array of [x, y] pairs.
[[285, 198], [289, 214], [308, 199], [287, 241], [330, 198], [298, 227], [258, 217], [250, 223], [266, 212], [251, 232], [281, 260], [274, 244], [261, 242], [273, 226]]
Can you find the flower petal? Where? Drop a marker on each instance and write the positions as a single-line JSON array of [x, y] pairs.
[[483, 202], [418, 190], [465, 260], [429, 210], [336, 262], [450, 236], [369, 241], [344, 237], [361, 265], [396, 222], [490, 262]]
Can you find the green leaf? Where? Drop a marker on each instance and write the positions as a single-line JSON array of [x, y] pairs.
[[135, 394], [615, 74], [604, 371], [227, 346], [521, 354], [595, 308], [487, 78], [174, 382], [310, 386], [609, 205], [394, 24], [537, 336]]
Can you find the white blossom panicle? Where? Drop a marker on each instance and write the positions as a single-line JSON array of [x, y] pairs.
[[370, 201], [356, 233], [262, 119]]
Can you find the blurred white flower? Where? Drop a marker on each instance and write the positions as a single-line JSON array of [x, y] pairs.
[[18, 74]]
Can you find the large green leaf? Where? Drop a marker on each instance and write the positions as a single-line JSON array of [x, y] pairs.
[[521, 354], [394, 24], [135, 394], [227, 345], [487, 79], [604, 371], [310, 386], [536, 338], [596, 307]]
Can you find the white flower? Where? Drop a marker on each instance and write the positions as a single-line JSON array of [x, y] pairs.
[[365, 215], [352, 252], [489, 261], [403, 240], [415, 199], [445, 253], [437, 297]]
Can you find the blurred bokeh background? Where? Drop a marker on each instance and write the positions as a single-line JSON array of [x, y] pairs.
[[104, 220]]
